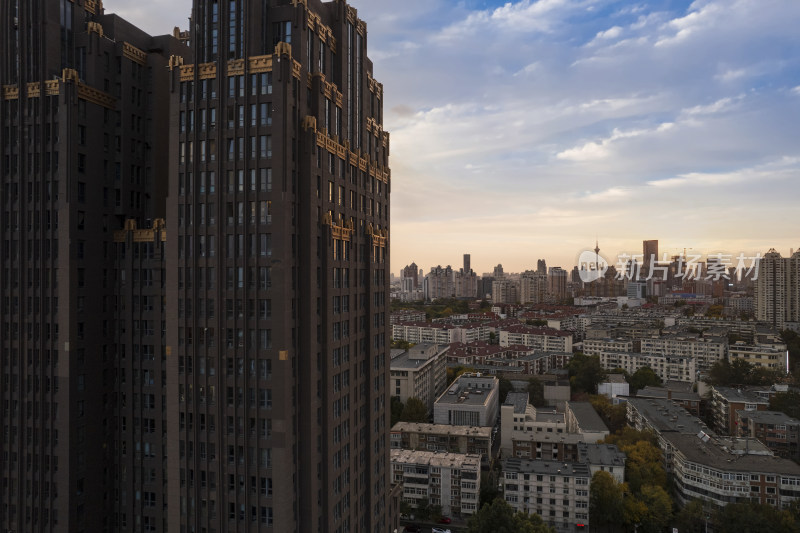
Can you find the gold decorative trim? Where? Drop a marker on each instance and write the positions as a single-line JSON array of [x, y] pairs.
[[134, 54], [361, 28], [259, 64], [95, 27], [296, 68], [100, 98], [10, 92], [91, 6], [70, 74], [206, 71], [352, 15], [379, 237], [236, 67], [51, 88], [34, 89], [175, 61], [310, 122], [283, 48], [157, 233], [187, 72]]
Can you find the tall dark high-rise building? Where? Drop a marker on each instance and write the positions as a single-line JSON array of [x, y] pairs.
[[84, 142], [467, 266], [277, 274]]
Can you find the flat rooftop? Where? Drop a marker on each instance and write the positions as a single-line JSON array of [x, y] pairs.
[[587, 417], [442, 429], [528, 466], [768, 417], [712, 454], [469, 389], [666, 416], [440, 459], [519, 400], [601, 454]]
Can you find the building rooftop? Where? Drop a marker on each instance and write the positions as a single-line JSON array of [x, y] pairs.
[[587, 417], [442, 429], [615, 378], [601, 454], [666, 416], [440, 459], [767, 417], [469, 389], [665, 392], [418, 356], [712, 453], [519, 400], [528, 466], [732, 395]]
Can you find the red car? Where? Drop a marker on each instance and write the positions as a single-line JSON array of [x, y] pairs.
[[445, 520]]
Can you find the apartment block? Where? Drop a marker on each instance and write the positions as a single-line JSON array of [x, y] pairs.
[[769, 356], [474, 440], [705, 350], [545, 339], [557, 491], [420, 372], [452, 480], [780, 432], [665, 367], [726, 401]]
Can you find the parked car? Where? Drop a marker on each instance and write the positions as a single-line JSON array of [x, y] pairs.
[[445, 520], [413, 528], [440, 530], [406, 516]]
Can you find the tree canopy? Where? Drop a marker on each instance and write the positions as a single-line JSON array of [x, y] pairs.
[[500, 517], [585, 372], [644, 377], [754, 518], [739, 372], [614, 416], [536, 393], [605, 501], [787, 403], [415, 410]]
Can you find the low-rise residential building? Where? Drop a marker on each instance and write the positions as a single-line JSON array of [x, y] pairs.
[[451, 480], [472, 400], [545, 339], [420, 372], [770, 356], [442, 437], [556, 491], [406, 315], [706, 350], [603, 458], [660, 416], [779, 431], [666, 367], [723, 471], [726, 401], [519, 420], [535, 363], [601, 346]]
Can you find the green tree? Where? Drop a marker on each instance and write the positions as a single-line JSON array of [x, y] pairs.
[[454, 371], [396, 409], [505, 388], [536, 393], [401, 344], [692, 518], [414, 411], [499, 517], [659, 509], [786, 402], [754, 518], [606, 500], [644, 377], [585, 372]]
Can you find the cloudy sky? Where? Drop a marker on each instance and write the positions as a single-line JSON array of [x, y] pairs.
[[525, 129]]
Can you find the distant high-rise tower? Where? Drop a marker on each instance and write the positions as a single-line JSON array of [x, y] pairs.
[[278, 300], [498, 272], [777, 288], [541, 266], [467, 266]]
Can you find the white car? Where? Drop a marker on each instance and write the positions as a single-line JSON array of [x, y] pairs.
[[440, 530]]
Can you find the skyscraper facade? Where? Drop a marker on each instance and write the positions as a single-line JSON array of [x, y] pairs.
[[84, 113], [277, 278]]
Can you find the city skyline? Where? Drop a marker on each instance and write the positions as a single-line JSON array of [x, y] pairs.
[[567, 120]]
